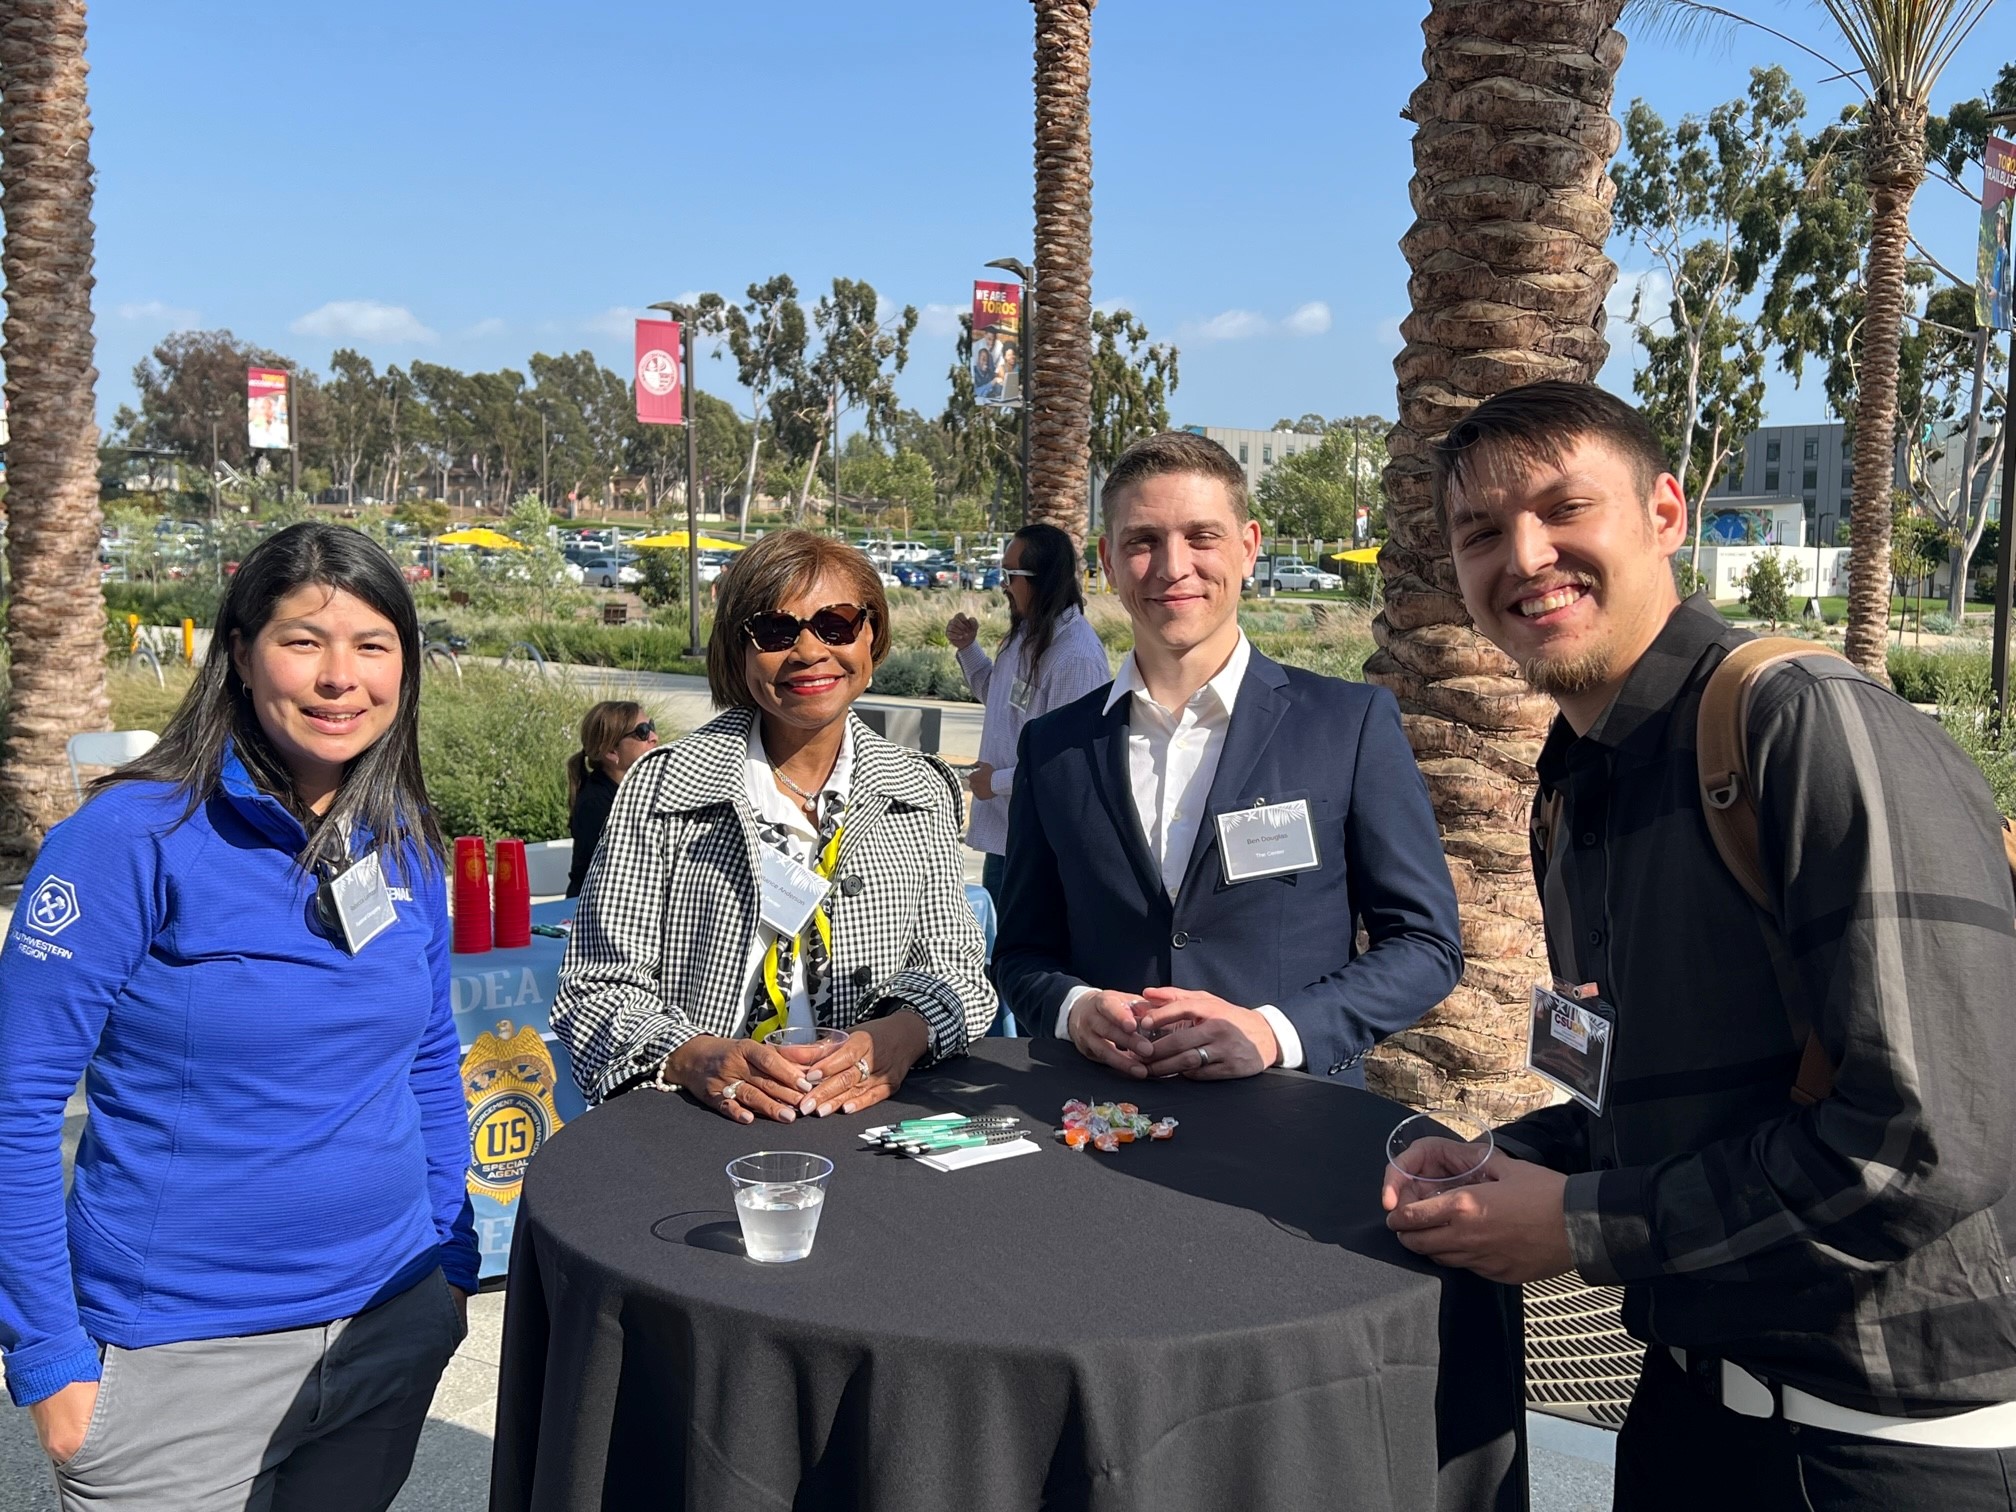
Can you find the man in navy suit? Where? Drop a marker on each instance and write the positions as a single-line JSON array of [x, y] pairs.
[[1192, 850]]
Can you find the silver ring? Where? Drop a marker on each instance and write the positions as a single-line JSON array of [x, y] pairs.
[[861, 1068], [728, 1092], [1203, 1057]]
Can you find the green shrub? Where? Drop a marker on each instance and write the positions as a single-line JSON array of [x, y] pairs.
[[921, 672], [659, 647], [1939, 624], [494, 748], [1939, 676], [169, 604]]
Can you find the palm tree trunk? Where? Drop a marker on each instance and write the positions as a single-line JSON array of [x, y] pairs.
[[1512, 145], [55, 614], [1894, 164], [1058, 387]]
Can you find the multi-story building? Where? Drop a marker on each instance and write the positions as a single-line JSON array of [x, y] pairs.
[[1810, 463], [1258, 452]]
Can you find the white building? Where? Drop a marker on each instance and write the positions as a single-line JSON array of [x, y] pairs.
[[1257, 452]]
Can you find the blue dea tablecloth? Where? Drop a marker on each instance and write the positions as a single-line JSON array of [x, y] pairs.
[[516, 1077]]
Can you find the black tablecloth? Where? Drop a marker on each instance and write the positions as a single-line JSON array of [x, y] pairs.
[[1220, 1321]]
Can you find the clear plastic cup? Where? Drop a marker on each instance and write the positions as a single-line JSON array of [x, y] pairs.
[[826, 1039], [1416, 1186], [779, 1195]]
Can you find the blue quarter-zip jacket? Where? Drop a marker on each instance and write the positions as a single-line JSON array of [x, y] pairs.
[[277, 1133]]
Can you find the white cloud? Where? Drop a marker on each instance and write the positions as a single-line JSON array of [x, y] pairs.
[[489, 325], [1229, 325], [154, 312], [618, 320], [1308, 319], [1311, 319], [938, 322], [363, 320], [1110, 306]]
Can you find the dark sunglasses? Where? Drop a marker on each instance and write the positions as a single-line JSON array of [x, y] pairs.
[[836, 625], [643, 732]]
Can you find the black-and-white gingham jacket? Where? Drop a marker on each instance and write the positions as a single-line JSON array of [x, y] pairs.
[[669, 910]]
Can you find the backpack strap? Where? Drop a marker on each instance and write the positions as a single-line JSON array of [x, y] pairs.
[[1729, 796]]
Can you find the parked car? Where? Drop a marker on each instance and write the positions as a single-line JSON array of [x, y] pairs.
[[941, 572], [712, 565], [890, 580], [910, 575], [611, 572], [1296, 575]]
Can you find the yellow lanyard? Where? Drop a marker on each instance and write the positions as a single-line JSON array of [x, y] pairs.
[[774, 987]]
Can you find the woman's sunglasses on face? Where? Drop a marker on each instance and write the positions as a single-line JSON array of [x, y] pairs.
[[1017, 572], [836, 625], [643, 731]]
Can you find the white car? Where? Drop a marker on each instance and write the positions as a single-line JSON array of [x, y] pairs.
[[611, 572], [1300, 576]]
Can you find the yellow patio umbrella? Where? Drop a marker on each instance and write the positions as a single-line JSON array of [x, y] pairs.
[[675, 540], [1364, 556], [479, 535]]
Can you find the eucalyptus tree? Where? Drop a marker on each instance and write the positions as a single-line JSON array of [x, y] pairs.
[[1707, 200], [859, 355], [1132, 379], [767, 335]]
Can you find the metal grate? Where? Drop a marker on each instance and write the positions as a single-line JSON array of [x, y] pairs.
[[1580, 1364]]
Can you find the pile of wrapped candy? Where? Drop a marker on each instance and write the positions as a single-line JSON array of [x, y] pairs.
[[1107, 1126]]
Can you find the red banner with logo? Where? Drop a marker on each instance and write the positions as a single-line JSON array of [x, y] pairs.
[[657, 373]]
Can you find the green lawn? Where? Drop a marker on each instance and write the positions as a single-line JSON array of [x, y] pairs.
[[1834, 610]]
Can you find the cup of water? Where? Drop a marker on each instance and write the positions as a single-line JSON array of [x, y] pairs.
[[794, 1036], [778, 1195], [1450, 1164]]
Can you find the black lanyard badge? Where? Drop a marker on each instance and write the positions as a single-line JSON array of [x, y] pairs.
[[1568, 1039], [353, 903]]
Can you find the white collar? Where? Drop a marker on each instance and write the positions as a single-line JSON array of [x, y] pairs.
[[777, 807], [1224, 686]]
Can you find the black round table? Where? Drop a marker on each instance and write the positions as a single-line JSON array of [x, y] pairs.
[[1219, 1321]]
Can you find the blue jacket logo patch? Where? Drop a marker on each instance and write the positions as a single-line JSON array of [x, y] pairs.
[[54, 908]]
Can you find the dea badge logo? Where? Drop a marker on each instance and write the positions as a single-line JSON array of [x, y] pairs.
[[507, 1080], [658, 371], [54, 908]]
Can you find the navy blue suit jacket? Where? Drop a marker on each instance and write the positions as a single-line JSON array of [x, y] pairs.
[[1084, 902]]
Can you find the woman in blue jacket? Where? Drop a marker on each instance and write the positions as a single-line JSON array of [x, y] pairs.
[[241, 943]]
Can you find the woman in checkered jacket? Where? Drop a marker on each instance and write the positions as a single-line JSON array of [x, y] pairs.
[[783, 865]]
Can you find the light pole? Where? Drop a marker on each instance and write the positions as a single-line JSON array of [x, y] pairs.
[[1023, 338], [689, 409]]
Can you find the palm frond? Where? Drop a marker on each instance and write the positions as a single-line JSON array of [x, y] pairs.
[[1697, 20], [1904, 45]]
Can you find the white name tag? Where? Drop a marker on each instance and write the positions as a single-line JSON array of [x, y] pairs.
[[1270, 840], [790, 892], [1020, 696], [1568, 1043], [363, 904]]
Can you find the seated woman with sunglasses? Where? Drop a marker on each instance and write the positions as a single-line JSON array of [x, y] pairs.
[[613, 735], [818, 881]]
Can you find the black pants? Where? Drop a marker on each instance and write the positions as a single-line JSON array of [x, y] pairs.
[[1678, 1450]]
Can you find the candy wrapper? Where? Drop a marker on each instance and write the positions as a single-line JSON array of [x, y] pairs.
[[1107, 1126]]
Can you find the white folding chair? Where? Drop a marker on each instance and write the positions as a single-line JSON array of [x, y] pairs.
[[106, 748]]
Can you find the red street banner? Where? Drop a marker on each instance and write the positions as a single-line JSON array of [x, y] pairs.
[[997, 350], [658, 392], [1995, 280], [266, 408]]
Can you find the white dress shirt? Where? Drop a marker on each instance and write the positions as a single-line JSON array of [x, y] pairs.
[[1172, 757], [801, 839]]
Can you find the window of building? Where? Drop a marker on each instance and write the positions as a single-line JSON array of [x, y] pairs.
[[1812, 448], [1770, 451], [1266, 455], [1243, 458], [1771, 477], [1810, 479]]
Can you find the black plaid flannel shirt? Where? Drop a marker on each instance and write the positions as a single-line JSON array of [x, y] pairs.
[[1859, 1248]]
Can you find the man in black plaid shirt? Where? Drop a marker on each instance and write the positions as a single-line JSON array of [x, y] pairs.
[[1825, 1290]]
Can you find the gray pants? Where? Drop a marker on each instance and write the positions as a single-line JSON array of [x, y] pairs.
[[321, 1419]]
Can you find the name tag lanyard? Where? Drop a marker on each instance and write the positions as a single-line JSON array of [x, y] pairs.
[[352, 902], [775, 988]]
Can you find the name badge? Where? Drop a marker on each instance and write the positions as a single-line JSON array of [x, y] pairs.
[[1267, 840], [1020, 696], [363, 903], [790, 892], [1568, 1042]]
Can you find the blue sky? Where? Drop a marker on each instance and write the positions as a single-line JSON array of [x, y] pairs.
[[472, 182]]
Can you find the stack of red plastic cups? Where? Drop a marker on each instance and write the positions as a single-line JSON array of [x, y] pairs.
[[514, 896], [472, 896]]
